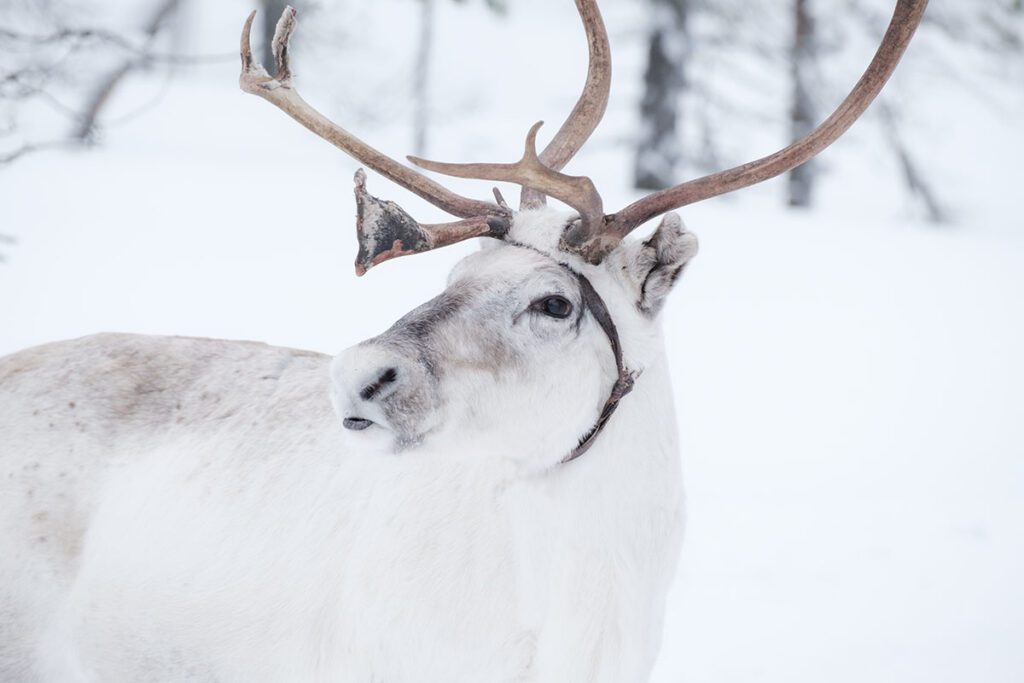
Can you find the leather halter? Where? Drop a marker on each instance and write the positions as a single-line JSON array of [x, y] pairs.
[[623, 383], [625, 378]]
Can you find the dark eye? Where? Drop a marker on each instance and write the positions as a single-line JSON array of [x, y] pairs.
[[554, 306]]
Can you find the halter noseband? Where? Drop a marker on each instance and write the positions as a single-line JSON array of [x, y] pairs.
[[623, 383], [593, 302]]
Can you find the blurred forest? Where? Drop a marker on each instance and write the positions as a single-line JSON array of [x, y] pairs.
[[711, 66], [69, 56]]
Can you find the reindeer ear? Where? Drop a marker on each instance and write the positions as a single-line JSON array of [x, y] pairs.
[[655, 264]]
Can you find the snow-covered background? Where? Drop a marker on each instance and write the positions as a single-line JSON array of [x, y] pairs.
[[850, 379]]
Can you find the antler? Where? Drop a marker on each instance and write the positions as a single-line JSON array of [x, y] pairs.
[[539, 174], [384, 229], [576, 191], [594, 244], [590, 106]]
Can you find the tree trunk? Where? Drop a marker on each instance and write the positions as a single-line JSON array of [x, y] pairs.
[[658, 147], [421, 78], [802, 63]]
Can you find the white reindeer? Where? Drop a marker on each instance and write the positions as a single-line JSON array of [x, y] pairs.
[[470, 509]]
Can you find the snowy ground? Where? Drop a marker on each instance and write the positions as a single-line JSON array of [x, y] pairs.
[[851, 381]]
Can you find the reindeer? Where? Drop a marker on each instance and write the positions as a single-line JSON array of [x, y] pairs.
[[488, 490]]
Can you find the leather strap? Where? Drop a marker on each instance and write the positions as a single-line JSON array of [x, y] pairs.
[[623, 384]]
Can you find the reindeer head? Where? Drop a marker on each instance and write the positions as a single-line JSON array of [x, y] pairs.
[[537, 337], [516, 356]]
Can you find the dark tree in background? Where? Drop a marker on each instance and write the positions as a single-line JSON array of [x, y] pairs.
[[802, 116], [658, 146], [749, 42], [421, 78]]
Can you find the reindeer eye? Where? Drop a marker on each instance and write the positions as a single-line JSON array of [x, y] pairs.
[[553, 306]]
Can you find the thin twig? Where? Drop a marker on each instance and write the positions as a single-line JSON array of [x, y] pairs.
[[116, 40]]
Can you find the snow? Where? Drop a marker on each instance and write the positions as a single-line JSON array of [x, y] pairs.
[[850, 380]]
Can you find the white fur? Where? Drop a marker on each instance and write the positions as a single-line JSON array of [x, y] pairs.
[[177, 509]]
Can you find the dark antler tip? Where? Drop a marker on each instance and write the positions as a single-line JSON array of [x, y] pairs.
[[499, 226]]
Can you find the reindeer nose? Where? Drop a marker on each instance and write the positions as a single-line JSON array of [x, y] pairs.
[[369, 392], [388, 376], [364, 378], [367, 373], [376, 383]]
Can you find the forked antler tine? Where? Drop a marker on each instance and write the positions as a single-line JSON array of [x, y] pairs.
[[576, 191], [279, 45], [593, 246], [278, 91], [590, 106], [385, 231]]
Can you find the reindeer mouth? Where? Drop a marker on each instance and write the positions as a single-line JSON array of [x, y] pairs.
[[357, 424]]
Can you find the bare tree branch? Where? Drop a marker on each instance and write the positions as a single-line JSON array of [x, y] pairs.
[[6, 239], [87, 125], [913, 175], [76, 37]]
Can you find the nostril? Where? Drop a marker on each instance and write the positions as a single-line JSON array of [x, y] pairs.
[[386, 377]]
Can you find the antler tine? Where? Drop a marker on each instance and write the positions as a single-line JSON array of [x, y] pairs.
[[590, 106], [279, 91], [386, 231], [593, 246], [383, 228], [576, 191]]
